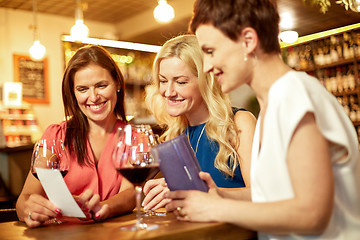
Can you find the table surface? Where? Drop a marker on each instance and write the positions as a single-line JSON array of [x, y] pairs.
[[169, 228]]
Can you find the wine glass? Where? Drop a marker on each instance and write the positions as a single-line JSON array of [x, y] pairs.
[[49, 154], [154, 141], [132, 158]]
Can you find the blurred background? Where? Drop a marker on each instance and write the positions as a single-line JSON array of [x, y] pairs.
[[124, 20]]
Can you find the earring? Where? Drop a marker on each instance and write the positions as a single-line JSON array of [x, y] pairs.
[[245, 58], [118, 90]]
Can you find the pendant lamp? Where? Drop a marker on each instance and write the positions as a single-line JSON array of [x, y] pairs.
[[79, 31], [164, 13], [37, 50]]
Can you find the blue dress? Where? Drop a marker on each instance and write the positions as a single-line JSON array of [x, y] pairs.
[[206, 151]]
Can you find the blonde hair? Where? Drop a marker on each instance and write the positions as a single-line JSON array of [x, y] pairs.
[[220, 127]]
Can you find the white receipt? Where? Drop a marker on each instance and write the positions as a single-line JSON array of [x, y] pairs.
[[58, 193]]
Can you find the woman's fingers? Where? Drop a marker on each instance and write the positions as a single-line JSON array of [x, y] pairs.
[[41, 203], [90, 204], [207, 178], [150, 184], [30, 222], [93, 203], [162, 203], [158, 200], [84, 197], [39, 210], [174, 205], [102, 213], [155, 195], [83, 202]]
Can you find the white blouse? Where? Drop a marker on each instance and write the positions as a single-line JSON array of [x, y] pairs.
[[289, 99]]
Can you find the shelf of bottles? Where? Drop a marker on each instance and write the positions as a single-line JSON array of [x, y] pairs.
[[333, 59], [18, 126]]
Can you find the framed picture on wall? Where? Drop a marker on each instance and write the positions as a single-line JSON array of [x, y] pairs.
[[33, 76]]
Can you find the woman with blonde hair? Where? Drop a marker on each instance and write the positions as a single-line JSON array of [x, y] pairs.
[[185, 100]]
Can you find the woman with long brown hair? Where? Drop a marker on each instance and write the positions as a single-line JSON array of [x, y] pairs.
[[93, 98]]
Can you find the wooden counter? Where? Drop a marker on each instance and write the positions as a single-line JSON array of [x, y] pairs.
[[169, 228]]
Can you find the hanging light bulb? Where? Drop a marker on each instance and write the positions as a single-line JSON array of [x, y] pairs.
[[354, 5], [37, 50], [164, 13], [79, 31]]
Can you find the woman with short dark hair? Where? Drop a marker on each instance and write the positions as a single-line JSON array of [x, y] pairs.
[[305, 148]]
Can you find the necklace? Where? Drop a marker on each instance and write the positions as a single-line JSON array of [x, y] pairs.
[[197, 143]]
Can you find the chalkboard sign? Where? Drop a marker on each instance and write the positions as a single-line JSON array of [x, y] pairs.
[[33, 76]]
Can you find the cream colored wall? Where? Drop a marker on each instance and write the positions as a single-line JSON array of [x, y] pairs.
[[16, 38]]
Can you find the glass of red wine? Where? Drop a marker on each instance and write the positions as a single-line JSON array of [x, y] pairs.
[[49, 154], [132, 158], [154, 140]]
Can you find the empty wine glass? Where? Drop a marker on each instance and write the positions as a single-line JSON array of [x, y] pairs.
[[49, 154], [132, 158]]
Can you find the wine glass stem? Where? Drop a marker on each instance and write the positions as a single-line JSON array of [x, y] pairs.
[[138, 190]]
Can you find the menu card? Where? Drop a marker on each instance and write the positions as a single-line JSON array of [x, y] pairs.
[[58, 193]]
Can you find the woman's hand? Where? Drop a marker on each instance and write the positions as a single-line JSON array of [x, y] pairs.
[[195, 205], [154, 191], [39, 210], [90, 204]]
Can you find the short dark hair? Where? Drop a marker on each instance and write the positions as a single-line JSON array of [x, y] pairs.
[[232, 16], [77, 123]]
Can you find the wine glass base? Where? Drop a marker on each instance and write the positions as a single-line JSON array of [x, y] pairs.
[[142, 226]]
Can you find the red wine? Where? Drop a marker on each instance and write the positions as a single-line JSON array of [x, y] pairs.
[[138, 175], [63, 173]]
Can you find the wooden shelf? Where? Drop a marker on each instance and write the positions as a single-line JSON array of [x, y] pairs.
[[18, 126], [346, 93], [349, 66], [337, 63], [330, 65]]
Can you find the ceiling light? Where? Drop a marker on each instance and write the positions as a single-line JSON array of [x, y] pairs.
[[164, 13], [79, 31], [289, 36], [37, 50], [116, 44], [286, 20]]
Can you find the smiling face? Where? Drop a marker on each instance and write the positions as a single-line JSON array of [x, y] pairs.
[[95, 92], [224, 57], [179, 86]]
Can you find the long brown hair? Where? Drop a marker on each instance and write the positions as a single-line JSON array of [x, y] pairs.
[[77, 125]]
